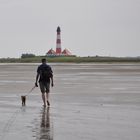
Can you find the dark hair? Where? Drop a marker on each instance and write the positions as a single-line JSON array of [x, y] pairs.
[[43, 60]]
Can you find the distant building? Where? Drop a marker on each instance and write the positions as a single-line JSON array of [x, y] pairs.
[[66, 52], [51, 52], [59, 51], [58, 41]]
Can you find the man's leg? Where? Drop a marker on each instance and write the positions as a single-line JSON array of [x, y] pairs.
[[47, 93], [47, 99], [43, 98], [47, 96], [42, 88]]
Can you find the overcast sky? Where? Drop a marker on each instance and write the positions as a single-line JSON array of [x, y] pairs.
[[89, 27]]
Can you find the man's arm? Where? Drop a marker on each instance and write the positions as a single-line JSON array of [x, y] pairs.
[[37, 76], [52, 84]]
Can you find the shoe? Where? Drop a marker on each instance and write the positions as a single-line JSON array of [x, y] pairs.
[[48, 103]]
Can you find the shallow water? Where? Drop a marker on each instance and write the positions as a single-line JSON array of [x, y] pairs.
[[88, 101]]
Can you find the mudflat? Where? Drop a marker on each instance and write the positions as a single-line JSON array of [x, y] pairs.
[[88, 102]]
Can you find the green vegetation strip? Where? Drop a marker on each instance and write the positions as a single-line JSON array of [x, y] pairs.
[[70, 59]]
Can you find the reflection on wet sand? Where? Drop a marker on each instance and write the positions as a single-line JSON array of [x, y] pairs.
[[44, 130]]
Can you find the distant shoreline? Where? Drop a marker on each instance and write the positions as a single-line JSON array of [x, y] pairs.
[[71, 59]]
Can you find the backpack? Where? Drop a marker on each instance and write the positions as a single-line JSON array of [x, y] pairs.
[[46, 72]]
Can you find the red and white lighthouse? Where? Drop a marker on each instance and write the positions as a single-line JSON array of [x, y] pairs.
[[58, 41], [59, 51]]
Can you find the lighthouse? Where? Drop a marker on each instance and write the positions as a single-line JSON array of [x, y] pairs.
[[58, 51], [58, 41]]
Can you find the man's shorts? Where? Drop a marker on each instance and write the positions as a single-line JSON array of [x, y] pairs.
[[44, 87]]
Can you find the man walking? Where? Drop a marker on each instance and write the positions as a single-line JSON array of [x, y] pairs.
[[45, 76]]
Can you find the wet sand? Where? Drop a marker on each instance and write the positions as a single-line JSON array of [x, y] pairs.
[[88, 102]]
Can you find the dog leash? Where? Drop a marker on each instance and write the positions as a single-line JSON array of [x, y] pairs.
[[30, 91]]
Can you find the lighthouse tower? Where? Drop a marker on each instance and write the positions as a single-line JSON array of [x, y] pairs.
[[58, 41]]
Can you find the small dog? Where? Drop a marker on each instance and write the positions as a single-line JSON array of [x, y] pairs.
[[23, 99]]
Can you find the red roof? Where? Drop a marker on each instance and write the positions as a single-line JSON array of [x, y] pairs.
[[66, 52], [51, 51]]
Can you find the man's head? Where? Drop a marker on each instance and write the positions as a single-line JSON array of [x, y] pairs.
[[44, 60]]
